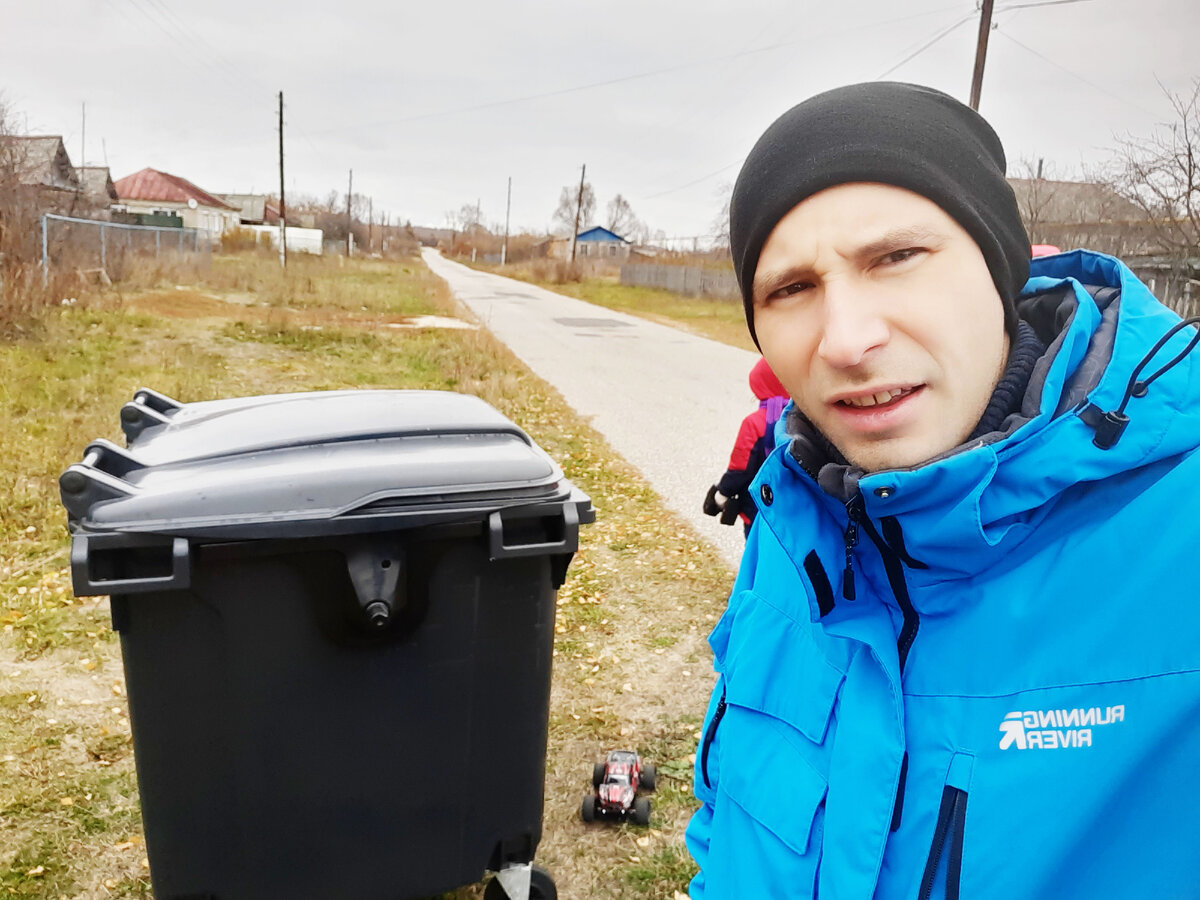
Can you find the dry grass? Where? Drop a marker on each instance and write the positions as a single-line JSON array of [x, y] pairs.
[[631, 665]]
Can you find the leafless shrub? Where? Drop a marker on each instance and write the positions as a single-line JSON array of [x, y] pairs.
[[1160, 174], [22, 292], [241, 240], [556, 271]]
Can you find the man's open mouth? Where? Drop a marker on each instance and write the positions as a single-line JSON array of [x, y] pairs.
[[880, 399]]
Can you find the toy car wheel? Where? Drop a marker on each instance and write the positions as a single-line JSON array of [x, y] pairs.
[[541, 887], [597, 774], [649, 775], [641, 811], [587, 811]]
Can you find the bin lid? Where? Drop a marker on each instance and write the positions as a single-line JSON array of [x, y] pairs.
[[308, 464]]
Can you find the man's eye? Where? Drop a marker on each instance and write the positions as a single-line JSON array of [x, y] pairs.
[[899, 256], [794, 288]]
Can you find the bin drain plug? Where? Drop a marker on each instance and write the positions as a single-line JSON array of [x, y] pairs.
[[378, 614], [376, 568]]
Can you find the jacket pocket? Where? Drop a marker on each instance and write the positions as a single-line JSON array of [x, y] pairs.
[[944, 863], [768, 776], [773, 666], [768, 808]]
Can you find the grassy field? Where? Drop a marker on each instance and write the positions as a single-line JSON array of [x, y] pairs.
[[631, 665], [720, 320]]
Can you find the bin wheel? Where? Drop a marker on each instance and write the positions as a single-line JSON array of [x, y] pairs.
[[587, 811], [541, 887], [641, 811], [597, 774], [649, 777]]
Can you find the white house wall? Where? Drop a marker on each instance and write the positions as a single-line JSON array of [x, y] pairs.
[[207, 219], [299, 240]]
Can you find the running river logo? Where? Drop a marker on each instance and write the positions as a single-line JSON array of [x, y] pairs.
[[1055, 729]]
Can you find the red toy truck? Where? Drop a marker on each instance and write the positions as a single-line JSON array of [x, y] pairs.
[[616, 782]]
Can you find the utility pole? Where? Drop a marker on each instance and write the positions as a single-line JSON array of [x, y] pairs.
[[282, 204], [370, 225], [507, 209], [985, 28], [349, 218], [578, 205]]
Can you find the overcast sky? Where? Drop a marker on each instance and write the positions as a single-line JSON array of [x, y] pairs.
[[435, 105]]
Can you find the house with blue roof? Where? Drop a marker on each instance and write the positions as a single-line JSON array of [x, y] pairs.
[[600, 243]]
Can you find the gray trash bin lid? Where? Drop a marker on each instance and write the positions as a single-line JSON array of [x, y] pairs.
[[307, 465]]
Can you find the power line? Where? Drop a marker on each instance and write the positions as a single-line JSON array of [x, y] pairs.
[[1075, 75], [492, 104], [187, 30], [159, 23], [937, 37], [1041, 3], [681, 187]]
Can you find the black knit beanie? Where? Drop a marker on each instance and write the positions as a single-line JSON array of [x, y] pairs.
[[889, 133]]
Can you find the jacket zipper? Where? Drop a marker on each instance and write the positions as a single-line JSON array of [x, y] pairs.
[[709, 734], [951, 824], [894, 567], [850, 537]]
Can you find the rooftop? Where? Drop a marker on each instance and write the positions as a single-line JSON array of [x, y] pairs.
[[151, 184], [40, 160]]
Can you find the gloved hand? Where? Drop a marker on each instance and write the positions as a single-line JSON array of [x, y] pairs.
[[729, 510], [711, 506]]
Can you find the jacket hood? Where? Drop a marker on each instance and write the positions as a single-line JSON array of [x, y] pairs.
[[764, 383], [965, 510]]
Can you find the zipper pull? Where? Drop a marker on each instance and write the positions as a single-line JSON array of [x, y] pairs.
[[851, 540]]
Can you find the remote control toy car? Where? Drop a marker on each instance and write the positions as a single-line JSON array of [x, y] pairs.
[[616, 782]]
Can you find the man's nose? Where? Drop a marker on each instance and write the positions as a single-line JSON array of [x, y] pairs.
[[852, 328]]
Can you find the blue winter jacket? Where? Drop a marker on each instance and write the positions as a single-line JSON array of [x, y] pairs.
[[1006, 701]]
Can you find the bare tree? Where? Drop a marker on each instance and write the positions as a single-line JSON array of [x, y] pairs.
[[621, 219], [21, 286], [1035, 197], [1160, 174], [563, 221], [720, 224]]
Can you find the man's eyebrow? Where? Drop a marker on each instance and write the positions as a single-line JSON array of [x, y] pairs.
[[897, 239], [769, 281]]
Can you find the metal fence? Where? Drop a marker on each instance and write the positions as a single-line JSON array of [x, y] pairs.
[[105, 248], [719, 284]]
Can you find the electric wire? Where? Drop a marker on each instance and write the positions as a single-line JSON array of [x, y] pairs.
[[937, 37], [637, 76], [692, 183], [1075, 75]]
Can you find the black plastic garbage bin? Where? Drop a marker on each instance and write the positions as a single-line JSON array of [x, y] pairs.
[[336, 613]]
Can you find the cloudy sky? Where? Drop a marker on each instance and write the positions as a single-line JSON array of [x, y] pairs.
[[435, 105]]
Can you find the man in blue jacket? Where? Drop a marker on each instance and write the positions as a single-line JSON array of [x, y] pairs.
[[962, 655]]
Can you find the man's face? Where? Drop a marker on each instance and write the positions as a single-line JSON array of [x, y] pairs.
[[879, 315]]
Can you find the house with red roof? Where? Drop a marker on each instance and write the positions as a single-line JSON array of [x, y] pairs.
[[151, 191]]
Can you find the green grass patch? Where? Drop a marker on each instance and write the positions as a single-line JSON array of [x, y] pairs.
[[661, 873], [628, 597]]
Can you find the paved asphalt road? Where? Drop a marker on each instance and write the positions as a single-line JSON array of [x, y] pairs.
[[669, 402]]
